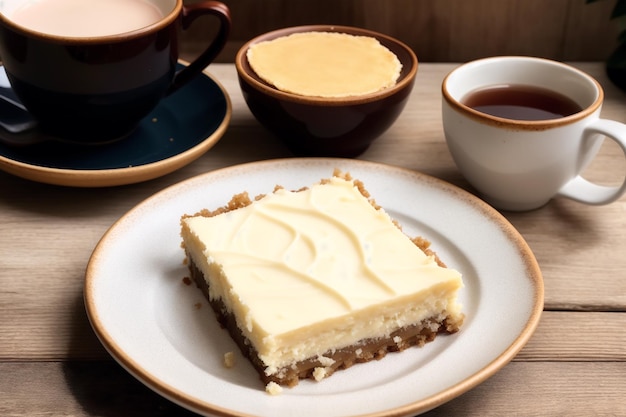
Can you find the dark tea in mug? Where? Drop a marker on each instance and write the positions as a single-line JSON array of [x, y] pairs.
[[521, 102]]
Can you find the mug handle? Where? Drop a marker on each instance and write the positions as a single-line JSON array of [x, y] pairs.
[[189, 14], [584, 191]]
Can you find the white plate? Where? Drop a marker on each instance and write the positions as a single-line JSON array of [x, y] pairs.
[[165, 334]]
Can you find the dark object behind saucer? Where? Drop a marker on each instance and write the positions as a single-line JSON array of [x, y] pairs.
[[96, 89], [97, 117], [616, 66], [312, 126], [182, 127], [103, 95], [14, 118]]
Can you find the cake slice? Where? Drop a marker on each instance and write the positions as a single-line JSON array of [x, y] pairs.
[[315, 280]]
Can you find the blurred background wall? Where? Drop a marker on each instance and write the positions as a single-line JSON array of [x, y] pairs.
[[439, 30]]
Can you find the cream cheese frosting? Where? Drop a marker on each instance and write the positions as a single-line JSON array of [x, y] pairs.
[[325, 64], [314, 270]]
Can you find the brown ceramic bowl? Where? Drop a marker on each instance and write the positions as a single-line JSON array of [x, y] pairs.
[[316, 126]]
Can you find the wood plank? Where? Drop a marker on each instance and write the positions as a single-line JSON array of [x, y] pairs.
[[577, 336], [47, 233], [439, 31], [545, 389], [588, 26], [62, 332], [37, 389]]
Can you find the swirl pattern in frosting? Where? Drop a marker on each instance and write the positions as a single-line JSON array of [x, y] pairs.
[[320, 262]]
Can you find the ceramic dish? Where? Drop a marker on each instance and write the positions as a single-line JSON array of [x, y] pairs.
[[327, 126], [165, 334], [183, 127]]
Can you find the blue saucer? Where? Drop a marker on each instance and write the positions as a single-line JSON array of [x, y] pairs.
[[184, 126]]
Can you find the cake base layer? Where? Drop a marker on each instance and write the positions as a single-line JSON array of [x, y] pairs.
[[313, 368]]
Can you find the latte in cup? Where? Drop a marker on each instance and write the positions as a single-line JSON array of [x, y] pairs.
[[88, 71], [80, 18]]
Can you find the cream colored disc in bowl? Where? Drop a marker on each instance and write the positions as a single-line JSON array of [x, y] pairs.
[[325, 64]]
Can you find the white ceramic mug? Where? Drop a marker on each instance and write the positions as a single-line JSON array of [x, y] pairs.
[[519, 164]]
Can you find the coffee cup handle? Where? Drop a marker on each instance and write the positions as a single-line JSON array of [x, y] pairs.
[[190, 13], [584, 191]]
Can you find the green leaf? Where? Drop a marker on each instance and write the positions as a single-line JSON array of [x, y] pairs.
[[618, 58], [619, 9]]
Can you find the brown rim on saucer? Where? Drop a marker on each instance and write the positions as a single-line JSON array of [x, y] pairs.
[[94, 178], [399, 48]]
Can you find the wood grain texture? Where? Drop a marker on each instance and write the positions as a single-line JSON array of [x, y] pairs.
[[51, 363], [573, 389], [560, 336], [577, 337], [442, 30]]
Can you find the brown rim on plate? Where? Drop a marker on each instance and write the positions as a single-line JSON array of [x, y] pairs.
[[532, 278]]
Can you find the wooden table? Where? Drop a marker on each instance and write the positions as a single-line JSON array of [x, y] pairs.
[[52, 364]]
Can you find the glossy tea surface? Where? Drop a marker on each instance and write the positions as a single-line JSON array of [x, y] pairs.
[[521, 102]]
